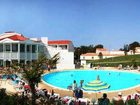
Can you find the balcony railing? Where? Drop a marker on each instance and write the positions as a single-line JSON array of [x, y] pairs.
[[16, 55]]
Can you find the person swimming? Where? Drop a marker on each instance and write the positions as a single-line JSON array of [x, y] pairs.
[[137, 79], [71, 75], [98, 77], [119, 74]]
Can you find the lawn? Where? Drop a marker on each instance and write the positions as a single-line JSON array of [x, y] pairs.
[[115, 61]]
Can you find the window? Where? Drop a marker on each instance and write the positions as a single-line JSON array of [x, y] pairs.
[[1, 47], [41, 48], [92, 57], [83, 57], [7, 47], [63, 47], [22, 48], [53, 46], [33, 48], [28, 48], [14, 47]]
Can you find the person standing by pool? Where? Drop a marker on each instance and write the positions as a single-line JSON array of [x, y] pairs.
[[49, 67], [81, 83], [74, 86]]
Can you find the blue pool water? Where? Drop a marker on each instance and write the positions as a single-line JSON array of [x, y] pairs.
[[117, 80]]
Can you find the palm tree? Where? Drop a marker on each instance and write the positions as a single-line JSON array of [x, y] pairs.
[[53, 61], [32, 72]]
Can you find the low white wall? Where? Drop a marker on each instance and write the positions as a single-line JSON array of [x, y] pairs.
[[66, 60]]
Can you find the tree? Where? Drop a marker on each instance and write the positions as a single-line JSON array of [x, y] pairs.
[[85, 49], [126, 49], [80, 50], [32, 72], [98, 46], [53, 61]]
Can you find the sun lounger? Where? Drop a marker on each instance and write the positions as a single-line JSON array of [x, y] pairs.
[[83, 101]]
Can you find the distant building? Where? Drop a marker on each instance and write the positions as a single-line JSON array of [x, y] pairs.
[[137, 50], [95, 56], [102, 50], [88, 56], [14, 47], [116, 52]]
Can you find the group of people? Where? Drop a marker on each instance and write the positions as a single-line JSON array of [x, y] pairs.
[[104, 100], [77, 91], [129, 67]]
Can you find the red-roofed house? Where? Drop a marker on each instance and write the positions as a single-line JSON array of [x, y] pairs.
[[14, 47], [94, 56], [103, 50]]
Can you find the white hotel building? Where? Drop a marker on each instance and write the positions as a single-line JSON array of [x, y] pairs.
[[14, 47]]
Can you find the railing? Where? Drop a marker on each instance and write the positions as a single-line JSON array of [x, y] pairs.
[[8, 55], [15, 55]]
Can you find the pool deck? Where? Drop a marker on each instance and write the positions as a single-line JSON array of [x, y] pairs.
[[91, 95]]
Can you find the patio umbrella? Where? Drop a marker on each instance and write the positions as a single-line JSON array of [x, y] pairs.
[[96, 85]]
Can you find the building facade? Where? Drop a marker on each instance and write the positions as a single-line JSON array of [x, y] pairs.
[[95, 56], [14, 47], [65, 49]]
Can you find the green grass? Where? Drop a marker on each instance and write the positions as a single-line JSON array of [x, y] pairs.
[[115, 61]]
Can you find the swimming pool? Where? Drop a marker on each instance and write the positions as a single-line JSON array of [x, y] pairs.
[[118, 80]]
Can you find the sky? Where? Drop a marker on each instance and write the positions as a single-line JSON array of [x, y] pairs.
[[111, 23]]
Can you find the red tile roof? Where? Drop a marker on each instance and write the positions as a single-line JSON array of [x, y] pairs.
[[18, 37], [59, 42], [89, 54], [13, 36]]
